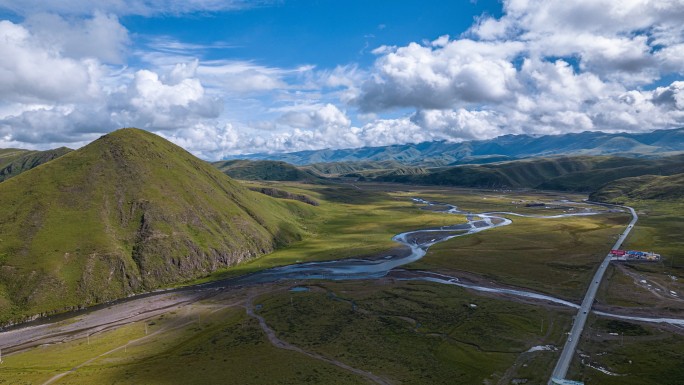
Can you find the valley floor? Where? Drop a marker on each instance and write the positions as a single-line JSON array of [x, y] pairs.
[[388, 330]]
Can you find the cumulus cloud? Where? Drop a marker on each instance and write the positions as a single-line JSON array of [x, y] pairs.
[[144, 101], [152, 103], [543, 67], [326, 117], [616, 40], [100, 37], [461, 124], [30, 71], [380, 132], [441, 75]]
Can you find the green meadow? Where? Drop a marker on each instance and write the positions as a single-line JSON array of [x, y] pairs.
[[633, 354], [405, 332]]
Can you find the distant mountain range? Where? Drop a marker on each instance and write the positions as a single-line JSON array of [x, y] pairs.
[[508, 147]]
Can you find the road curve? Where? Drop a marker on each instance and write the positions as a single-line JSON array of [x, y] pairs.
[[561, 369]]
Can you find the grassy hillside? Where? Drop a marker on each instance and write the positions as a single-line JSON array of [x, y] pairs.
[[341, 168], [265, 170], [127, 213], [13, 161], [644, 187], [9, 154], [583, 173]]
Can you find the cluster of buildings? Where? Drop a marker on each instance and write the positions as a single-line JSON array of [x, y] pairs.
[[634, 255]]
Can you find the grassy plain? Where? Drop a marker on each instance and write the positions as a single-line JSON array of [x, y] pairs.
[[635, 354], [555, 256], [360, 221], [406, 332], [349, 222], [659, 229], [417, 332], [204, 344]]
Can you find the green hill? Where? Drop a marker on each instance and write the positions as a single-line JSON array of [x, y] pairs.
[[342, 168], [265, 170], [127, 213], [14, 161], [644, 187], [580, 173]]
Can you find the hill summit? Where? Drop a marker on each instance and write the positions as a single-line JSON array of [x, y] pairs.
[[129, 212]]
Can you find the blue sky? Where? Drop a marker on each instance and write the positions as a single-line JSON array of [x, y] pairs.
[[223, 77], [326, 33]]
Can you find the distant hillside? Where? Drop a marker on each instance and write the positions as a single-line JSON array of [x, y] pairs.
[[584, 173], [341, 168], [265, 170], [14, 161], [507, 147], [644, 187], [127, 213], [364, 170]]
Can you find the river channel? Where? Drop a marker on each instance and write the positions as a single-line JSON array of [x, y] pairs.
[[415, 245]]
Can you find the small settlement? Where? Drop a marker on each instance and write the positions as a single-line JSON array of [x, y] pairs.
[[633, 255]]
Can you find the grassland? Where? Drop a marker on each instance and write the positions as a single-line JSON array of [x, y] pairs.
[[555, 256], [417, 332], [407, 332], [349, 222], [635, 354], [659, 229], [202, 344], [360, 222]]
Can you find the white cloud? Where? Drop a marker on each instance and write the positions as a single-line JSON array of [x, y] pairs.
[[157, 105], [30, 71], [208, 141], [461, 124], [615, 40], [544, 67], [324, 117], [442, 75], [125, 7], [100, 37], [242, 77]]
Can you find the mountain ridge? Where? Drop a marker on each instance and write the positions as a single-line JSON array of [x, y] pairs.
[[578, 173], [657, 143], [16, 161]]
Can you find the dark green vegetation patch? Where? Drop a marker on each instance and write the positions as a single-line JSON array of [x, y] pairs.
[[584, 173], [13, 161], [265, 170]]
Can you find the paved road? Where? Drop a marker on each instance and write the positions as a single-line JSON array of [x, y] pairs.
[[568, 352]]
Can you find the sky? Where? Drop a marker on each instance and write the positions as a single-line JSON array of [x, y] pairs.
[[229, 77]]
